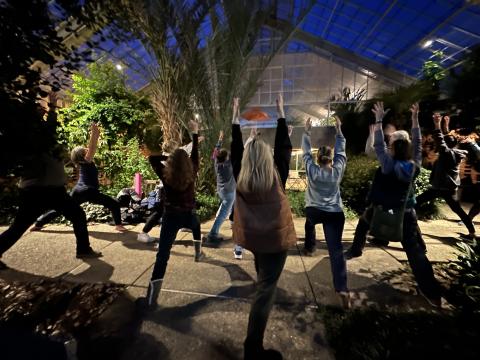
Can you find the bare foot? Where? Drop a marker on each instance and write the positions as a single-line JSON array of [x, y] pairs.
[[120, 228]]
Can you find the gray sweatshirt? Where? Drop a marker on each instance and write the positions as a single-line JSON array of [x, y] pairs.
[[323, 191]]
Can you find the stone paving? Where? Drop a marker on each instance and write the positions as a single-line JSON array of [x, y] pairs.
[[204, 306]]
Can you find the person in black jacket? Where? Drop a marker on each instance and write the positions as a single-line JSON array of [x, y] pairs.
[[445, 178], [178, 177]]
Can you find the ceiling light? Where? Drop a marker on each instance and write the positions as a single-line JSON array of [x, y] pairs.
[[427, 43]]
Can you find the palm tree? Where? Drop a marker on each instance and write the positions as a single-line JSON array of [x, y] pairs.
[[207, 53]]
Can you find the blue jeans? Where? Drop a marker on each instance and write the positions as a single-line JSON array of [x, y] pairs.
[[333, 223], [223, 211]]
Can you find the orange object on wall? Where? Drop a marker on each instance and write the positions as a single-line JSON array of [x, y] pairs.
[[255, 114]]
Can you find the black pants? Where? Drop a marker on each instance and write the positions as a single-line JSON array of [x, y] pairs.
[[268, 267], [36, 200], [333, 223], [475, 209], [363, 226], [421, 267], [154, 218], [449, 197], [172, 222], [90, 195]]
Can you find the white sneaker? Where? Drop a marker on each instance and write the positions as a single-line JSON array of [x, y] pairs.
[[145, 238], [238, 252]]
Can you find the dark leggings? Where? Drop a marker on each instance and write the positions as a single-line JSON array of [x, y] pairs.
[[475, 209], [154, 218], [172, 222], [268, 267], [448, 196], [421, 267], [36, 200], [81, 195]]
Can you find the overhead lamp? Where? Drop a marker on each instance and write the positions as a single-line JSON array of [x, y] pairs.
[[118, 67], [427, 43]]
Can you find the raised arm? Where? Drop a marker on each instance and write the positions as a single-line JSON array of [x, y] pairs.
[[386, 161], [283, 147], [193, 125], [446, 124], [306, 146], [218, 146], [369, 149], [236, 147], [416, 136], [340, 154], [93, 142], [438, 136]]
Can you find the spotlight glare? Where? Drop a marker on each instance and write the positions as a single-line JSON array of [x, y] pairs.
[[427, 44]]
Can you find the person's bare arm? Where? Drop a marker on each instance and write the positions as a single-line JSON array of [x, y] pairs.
[[92, 144]]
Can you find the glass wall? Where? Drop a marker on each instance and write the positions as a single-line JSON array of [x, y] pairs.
[[309, 82]]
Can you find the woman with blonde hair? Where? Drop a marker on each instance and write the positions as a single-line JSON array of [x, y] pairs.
[[263, 220], [178, 177]]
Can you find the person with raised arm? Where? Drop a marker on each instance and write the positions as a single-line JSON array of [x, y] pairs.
[[445, 175], [178, 176], [87, 188], [42, 187], [263, 220], [226, 192], [324, 203], [399, 169]]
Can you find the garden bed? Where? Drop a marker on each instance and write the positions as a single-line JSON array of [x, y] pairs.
[[57, 319]]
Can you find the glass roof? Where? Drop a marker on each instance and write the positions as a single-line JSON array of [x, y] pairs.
[[400, 35], [397, 35]]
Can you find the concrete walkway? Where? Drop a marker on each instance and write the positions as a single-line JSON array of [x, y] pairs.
[[204, 306]]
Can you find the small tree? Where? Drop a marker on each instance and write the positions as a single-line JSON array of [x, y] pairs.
[[101, 95]]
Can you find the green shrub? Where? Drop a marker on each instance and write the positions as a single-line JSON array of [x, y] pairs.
[[429, 210], [375, 334], [356, 181], [297, 204], [120, 165], [96, 213], [465, 292], [207, 206]]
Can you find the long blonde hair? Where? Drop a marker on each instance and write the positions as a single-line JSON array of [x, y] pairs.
[[258, 172]]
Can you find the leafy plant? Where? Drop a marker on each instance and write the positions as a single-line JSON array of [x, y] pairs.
[[100, 95], [357, 180], [466, 289], [297, 204], [429, 210], [432, 69], [207, 52], [376, 334], [207, 206], [122, 162]]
